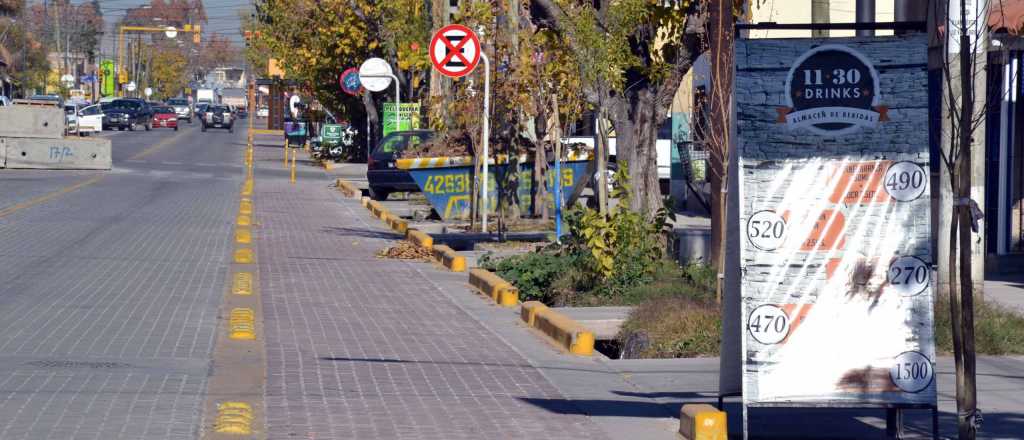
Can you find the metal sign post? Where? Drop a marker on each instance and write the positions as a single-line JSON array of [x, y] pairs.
[[375, 74], [455, 51], [486, 141]]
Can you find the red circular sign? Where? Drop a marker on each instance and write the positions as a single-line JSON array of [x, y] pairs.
[[455, 50], [349, 81]]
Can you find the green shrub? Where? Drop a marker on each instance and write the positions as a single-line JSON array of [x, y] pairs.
[[997, 329], [532, 273]]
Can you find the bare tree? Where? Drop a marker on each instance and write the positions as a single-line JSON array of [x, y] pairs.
[[719, 43], [963, 27]]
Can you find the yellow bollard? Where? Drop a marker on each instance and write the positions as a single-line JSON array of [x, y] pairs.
[[286, 153], [293, 165]]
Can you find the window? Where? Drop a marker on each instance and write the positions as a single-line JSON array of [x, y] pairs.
[[391, 144], [91, 110]]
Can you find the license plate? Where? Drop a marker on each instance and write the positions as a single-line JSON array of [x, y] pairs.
[[216, 125]]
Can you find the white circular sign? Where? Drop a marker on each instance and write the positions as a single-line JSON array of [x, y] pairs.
[[130, 86], [768, 324], [67, 78], [766, 230], [909, 276], [171, 32], [148, 92], [375, 74], [905, 181], [912, 372]]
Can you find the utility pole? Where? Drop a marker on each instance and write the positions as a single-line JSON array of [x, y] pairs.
[[865, 14], [819, 14]]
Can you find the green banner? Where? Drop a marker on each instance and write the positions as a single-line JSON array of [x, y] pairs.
[[409, 117], [109, 78]]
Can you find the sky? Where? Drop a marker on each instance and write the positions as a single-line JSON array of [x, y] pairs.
[[222, 17]]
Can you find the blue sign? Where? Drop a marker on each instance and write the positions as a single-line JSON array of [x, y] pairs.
[[349, 80], [448, 189]]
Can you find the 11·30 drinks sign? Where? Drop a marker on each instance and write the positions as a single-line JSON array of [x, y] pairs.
[[836, 258]]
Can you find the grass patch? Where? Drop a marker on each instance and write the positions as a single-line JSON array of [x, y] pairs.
[[695, 282], [673, 327], [998, 330]]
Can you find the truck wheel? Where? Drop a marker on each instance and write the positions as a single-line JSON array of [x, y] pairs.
[[378, 194]]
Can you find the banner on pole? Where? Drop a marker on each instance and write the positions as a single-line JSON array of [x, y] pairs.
[[837, 280], [409, 115]]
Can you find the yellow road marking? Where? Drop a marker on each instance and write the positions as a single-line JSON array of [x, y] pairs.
[[47, 197], [157, 147], [243, 236], [242, 284], [234, 418], [244, 256], [242, 324]]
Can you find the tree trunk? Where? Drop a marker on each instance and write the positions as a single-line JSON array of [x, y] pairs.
[[645, 195], [373, 121], [967, 401], [720, 40]]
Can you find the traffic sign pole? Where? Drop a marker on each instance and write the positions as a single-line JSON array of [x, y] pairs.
[[398, 100], [486, 135]]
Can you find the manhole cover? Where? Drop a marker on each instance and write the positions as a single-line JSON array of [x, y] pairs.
[[77, 364]]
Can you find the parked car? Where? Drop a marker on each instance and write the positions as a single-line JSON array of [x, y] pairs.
[[128, 113], [71, 118], [165, 116], [218, 116], [55, 99], [90, 120], [262, 112], [382, 175], [181, 108]]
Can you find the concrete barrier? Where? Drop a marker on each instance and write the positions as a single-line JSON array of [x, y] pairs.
[[701, 421], [420, 238], [347, 188], [564, 331], [57, 154], [449, 258], [501, 291], [25, 121]]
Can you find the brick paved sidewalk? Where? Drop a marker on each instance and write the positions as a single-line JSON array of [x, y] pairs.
[[361, 347]]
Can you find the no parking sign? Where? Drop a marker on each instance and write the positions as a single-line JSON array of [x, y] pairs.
[[455, 50]]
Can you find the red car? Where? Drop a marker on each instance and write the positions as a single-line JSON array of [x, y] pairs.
[[165, 117]]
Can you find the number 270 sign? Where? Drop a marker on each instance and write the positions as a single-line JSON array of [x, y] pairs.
[[836, 257]]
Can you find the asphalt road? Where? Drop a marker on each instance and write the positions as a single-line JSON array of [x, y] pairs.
[[110, 284]]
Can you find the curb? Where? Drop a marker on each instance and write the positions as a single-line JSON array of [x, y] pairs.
[[420, 238], [347, 188], [449, 258], [501, 291], [563, 331]]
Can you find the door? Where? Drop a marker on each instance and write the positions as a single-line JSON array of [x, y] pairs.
[[90, 119]]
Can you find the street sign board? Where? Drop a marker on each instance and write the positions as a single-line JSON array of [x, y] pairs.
[[375, 74], [130, 87], [455, 50], [408, 117], [349, 81], [107, 87], [148, 92], [837, 287]]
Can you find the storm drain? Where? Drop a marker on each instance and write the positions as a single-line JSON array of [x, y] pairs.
[[77, 364]]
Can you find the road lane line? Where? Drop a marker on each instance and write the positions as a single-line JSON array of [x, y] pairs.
[[47, 197], [157, 147], [50, 196]]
